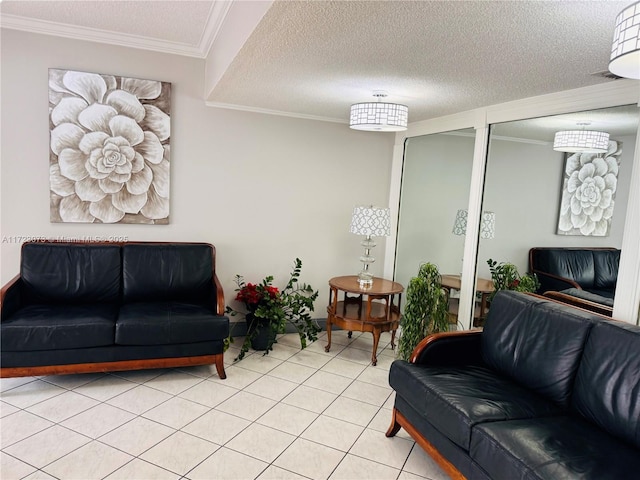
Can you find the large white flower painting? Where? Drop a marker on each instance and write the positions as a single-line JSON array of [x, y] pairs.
[[588, 192], [109, 150]]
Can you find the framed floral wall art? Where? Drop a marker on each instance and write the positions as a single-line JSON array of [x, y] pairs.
[[109, 152], [589, 192]]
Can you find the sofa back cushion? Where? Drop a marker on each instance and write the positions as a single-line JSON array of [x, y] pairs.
[[70, 273], [575, 264], [606, 268], [536, 342], [167, 272], [607, 387]]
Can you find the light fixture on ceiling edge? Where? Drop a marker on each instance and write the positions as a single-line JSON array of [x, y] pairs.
[[581, 141], [625, 50], [379, 116]]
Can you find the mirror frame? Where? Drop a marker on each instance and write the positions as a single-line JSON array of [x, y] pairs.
[[610, 94]]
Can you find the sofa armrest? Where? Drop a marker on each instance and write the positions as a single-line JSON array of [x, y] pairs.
[[219, 295], [10, 300], [549, 281], [449, 348]]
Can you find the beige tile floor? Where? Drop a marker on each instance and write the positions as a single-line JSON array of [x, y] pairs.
[[289, 415]]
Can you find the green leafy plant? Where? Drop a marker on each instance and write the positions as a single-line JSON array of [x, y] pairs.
[[268, 307], [505, 276], [426, 309]]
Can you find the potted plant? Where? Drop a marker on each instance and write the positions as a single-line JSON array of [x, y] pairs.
[[425, 311], [505, 276], [269, 310]]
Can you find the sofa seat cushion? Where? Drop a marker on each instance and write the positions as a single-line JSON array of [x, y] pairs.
[[164, 323], [602, 293], [454, 399], [554, 447], [54, 327], [590, 296]]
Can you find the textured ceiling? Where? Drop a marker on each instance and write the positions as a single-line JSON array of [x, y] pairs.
[[436, 57], [315, 58]]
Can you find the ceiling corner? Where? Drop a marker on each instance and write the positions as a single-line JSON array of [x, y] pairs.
[[230, 24]]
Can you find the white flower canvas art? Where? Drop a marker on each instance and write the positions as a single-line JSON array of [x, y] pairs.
[[109, 158], [589, 192]]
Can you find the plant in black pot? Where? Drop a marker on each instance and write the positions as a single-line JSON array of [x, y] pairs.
[[269, 310]]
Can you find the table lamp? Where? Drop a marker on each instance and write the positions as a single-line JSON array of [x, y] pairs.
[[487, 224], [369, 221]]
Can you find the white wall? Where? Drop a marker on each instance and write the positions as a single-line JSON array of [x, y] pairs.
[[263, 189], [523, 186]]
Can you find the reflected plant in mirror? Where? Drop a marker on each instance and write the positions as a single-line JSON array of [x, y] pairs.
[[505, 276]]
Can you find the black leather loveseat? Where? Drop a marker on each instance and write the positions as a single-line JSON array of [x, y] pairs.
[[580, 276], [86, 307], [545, 391]]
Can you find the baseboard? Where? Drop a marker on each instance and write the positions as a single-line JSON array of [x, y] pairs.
[[239, 328]]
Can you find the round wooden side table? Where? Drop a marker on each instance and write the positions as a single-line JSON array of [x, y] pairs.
[[370, 309]]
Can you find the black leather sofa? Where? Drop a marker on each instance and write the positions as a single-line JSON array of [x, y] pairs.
[[584, 277], [86, 307], [545, 391]]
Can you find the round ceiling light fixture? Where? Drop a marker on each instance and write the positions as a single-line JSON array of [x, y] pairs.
[[625, 50], [581, 141], [379, 116]]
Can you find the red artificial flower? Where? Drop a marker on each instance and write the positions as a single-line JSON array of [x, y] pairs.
[[251, 296]]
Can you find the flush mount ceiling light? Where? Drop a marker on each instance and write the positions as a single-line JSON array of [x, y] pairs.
[[625, 50], [379, 116], [581, 141]]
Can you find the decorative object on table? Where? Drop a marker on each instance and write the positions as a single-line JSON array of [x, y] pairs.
[[369, 221], [109, 148], [505, 276], [588, 192], [268, 310], [425, 311], [379, 116], [487, 224], [625, 49]]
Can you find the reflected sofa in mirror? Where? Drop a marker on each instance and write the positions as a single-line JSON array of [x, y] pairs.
[[524, 185], [436, 178]]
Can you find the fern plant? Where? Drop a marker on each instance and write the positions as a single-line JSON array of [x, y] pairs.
[[425, 311]]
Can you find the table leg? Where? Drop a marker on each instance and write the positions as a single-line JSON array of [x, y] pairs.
[[393, 338], [328, 347], [376, 340], [349, 334]]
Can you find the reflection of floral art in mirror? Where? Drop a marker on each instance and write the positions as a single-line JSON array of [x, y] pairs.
[[588, 192], [109, 157]]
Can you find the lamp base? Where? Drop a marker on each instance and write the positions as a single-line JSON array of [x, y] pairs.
[[365, 279]]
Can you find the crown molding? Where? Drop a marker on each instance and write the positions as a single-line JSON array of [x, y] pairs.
[[75, 32], [217, 16]]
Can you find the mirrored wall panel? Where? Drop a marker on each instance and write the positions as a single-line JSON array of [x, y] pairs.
[[433, 201], [566, 204]]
